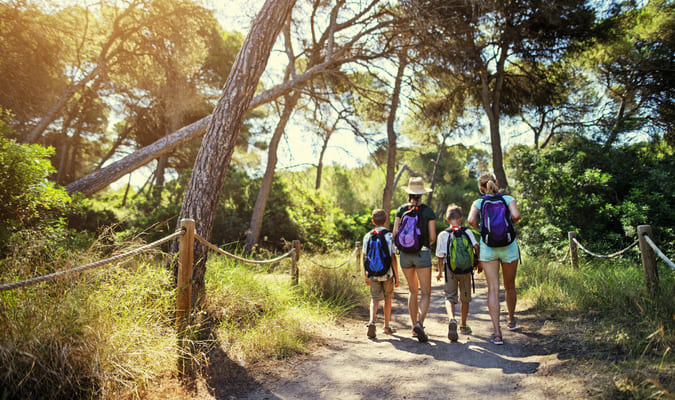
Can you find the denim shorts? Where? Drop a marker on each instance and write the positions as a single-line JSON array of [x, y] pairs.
[[421, 259], [505, 254]]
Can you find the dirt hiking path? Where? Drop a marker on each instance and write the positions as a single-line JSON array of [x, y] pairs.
[[352, 366]]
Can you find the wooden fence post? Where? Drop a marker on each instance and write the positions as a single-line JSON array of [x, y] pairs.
[[295, 272], [359, 252], [184, 279], [648, 261], [574, 254]]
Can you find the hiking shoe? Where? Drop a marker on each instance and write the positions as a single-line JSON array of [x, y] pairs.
[[452, 331], [465, 330], [421, 336], [371, 331], [389, 330], [496, 338]]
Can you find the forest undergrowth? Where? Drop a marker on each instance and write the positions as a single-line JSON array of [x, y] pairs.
[[109, 333]]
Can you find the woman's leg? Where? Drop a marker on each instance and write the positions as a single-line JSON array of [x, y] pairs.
[[509, 277], [411, 278], [424, 276], [491, 269]]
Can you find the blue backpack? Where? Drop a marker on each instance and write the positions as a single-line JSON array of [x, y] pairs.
[[408, 237], [377, 260], [496, 227]]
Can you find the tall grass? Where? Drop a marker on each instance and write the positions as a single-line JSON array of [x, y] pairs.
[[109, 332], [261, 316], [102, 334], [603, 313]]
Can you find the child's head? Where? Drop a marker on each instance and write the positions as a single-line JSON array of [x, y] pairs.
[[379, 217], [454, 214]]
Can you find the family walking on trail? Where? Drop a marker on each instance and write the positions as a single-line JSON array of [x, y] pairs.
[[458, 254]]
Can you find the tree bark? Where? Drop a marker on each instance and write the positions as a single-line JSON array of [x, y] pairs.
[[203, 190], [388, 191]]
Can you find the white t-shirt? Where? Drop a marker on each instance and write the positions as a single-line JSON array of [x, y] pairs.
[[392, 251], [442, 242]]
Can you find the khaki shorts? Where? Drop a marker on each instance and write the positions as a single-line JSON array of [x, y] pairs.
[[382, 289], [458, 283]]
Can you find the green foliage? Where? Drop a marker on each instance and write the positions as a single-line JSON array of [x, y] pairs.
[[602, 194], [27, 198]]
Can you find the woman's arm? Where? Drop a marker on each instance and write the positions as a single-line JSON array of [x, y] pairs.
[[397, 224], [432, 231], [515, 214], [473, 218]]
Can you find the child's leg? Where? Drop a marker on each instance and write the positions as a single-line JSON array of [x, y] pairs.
[[464, 312], [387, 311], [450, 308], [374, 304]]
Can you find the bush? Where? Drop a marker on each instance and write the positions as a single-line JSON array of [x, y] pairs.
[[602, 194], [27, 199]]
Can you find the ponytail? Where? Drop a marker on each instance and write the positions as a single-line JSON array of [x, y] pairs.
[[487, 184]]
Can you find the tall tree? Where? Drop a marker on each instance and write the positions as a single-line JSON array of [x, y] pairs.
[[477, 41], [203, 190], [633, 61]]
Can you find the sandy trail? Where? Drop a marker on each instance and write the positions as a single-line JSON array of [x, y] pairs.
[[352, 366]]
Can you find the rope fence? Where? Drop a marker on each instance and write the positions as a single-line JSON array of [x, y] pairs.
[[336, 266], [648, 252], [618, 253], [225, 253], [27, 282], [659, 252]]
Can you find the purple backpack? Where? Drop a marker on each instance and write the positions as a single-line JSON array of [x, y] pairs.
[[496, 227], [408, 237]]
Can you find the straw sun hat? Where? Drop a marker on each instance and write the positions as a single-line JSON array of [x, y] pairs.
[[416, 186]]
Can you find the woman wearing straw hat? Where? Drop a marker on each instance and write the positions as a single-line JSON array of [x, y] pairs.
[[415, 261]]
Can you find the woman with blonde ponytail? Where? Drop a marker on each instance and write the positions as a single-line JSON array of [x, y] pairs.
[[496, 252]]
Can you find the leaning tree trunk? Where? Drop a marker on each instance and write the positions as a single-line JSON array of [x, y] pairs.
[[101, 178], [203, 191], [388, 191], [266, 185]]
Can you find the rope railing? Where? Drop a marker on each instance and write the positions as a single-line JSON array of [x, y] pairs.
[[225, 253], [659, 252], [618, 253], [648, 252], [15, 285], [336, 266]]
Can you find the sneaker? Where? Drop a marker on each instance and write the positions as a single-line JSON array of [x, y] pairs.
[[452, 331], [389, 330], [419, 330], [371, 331], [465, 330]]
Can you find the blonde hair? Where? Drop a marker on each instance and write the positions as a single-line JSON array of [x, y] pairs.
[[487, 184], [453, 212]]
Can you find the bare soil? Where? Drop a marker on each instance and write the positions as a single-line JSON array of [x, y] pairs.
[[349, 365]]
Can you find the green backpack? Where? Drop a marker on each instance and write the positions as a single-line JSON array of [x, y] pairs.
[[460, 258]]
